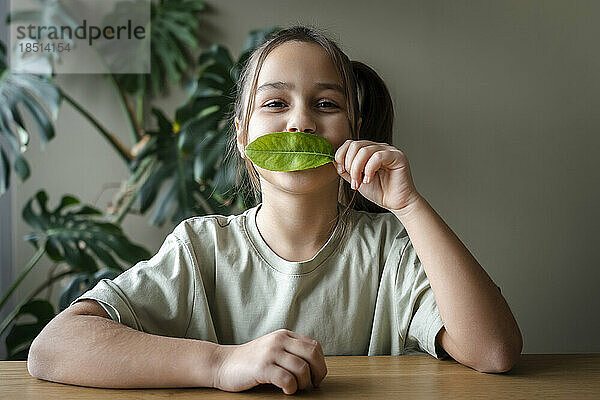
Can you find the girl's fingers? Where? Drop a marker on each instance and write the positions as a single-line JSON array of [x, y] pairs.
[[282, 378], [345, 153], [358, 163], [297, 366], [304, 338], [358, 157], [375, 162], [353, 148], [312, 354], [340, 154]]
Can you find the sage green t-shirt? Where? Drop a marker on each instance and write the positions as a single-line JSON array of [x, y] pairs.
[[214, 278]]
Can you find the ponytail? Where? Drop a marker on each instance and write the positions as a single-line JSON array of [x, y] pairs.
[[377, 112], [375, 105]]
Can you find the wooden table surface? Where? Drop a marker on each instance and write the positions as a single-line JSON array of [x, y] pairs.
[[555, 376]]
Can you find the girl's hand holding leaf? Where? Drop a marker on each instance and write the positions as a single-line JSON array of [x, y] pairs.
[[379, 171]]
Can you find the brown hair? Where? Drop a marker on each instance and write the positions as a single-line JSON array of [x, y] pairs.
[[366, 96]]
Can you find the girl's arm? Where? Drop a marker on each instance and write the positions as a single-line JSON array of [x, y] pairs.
[[479, 328]]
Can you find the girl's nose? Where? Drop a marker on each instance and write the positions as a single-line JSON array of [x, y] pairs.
[[307, 130], [301, 122]]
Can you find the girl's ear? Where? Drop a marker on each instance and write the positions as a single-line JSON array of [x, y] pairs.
[[238, 135]]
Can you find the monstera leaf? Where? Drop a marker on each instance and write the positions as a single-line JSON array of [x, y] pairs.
[[175, 152], [215, 86], [33, 94], [20, 336], [174, 29], [218, 76], [77, 236]]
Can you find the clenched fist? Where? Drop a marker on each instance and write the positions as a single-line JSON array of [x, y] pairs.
[[283, 358]]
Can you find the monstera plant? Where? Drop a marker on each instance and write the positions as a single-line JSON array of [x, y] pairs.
[[77, 236], [35, 94], [176, 162]]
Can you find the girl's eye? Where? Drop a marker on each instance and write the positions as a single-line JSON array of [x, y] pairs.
[[326, 104], [274, 104]]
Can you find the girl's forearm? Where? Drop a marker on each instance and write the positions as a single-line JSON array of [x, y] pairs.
[[476, 317], [89, 350]]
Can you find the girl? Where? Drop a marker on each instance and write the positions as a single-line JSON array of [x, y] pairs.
[[346, 258]]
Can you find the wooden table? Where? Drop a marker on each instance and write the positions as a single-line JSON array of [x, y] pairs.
[[573, 376]]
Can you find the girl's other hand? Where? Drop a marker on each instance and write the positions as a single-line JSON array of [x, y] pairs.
[[379, 171], [283, 358]]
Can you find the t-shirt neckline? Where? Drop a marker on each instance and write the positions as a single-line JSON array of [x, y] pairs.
[[282, 265]]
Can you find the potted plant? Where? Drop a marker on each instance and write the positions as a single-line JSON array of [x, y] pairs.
[[181, 158]]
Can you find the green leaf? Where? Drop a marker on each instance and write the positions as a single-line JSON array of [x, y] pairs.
[[22, 167], [174, 29], [20, 336], [73, 290], [53, 250], [37, 97], [79, 235], [165, 202], [290, 151], [104, 255]]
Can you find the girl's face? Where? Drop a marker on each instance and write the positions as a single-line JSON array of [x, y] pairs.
[[299, 90]]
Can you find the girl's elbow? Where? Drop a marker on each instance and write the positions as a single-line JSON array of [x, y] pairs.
[[502, 359]]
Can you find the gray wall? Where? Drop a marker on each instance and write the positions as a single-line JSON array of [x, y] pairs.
[[496, 108]]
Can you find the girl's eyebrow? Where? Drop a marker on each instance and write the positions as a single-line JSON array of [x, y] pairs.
[[289, 86], [274, 85]]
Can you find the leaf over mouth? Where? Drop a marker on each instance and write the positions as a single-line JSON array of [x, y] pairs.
[[290, 151]]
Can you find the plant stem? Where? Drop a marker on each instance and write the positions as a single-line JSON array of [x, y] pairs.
[[13, 314], [50, 282], [115, 143], [145, 170], [136, 129], [10, 317], [36, 257], [140, 106]]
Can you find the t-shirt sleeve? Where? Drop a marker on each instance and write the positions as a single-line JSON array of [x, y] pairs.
[[154, 296], [419, 320]]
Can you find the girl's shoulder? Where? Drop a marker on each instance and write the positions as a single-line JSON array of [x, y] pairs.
[[203, 225], [374, 225]]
